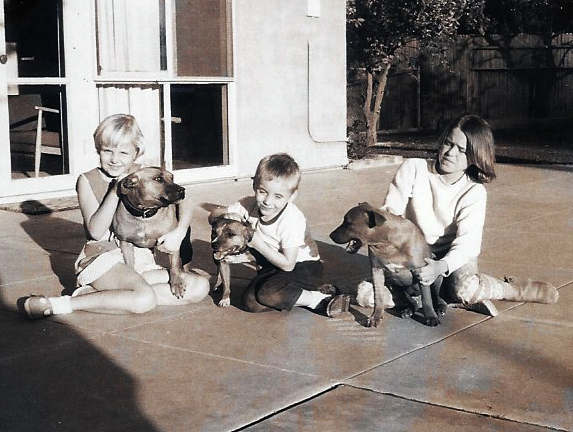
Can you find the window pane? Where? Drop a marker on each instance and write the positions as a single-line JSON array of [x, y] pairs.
[[35, 106], [199, 132], [203, 42], [131, 35], [33, 37]]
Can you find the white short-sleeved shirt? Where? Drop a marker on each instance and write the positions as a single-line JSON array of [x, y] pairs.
[[288, 229]]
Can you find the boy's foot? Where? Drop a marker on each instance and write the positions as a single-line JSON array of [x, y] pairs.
[[485, 307], [334, 306], [37, 307], [329, 289]]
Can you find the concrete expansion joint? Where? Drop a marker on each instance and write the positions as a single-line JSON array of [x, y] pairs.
[[289, 407], [457, 409]]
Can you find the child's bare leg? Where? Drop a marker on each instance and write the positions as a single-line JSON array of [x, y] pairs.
[[120, 290], [196, 287]]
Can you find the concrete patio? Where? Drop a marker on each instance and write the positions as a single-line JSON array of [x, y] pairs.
[[202, 368]]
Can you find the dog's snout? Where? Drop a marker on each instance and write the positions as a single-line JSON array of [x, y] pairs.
[[337, 236], [179, 191]]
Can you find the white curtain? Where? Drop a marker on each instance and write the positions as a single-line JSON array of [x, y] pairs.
[[129, 35], [129, 41]]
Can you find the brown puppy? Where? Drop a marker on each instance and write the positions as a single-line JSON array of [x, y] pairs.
[[229, 238], [147, 211], [396, 247]]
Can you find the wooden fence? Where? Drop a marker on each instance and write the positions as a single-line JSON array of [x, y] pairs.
[[499, 79]]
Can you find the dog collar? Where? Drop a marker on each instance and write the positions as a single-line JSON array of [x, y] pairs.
[[142, 213]]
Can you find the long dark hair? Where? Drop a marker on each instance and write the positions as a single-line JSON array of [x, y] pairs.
[[481, 148]]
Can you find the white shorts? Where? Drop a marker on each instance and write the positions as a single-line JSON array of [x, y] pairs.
[[144, 261]]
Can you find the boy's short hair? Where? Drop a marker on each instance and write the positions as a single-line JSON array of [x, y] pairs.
[[279, 165], [119, 129]]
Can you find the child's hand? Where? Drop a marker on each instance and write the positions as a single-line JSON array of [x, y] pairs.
[[430, 272], [171, 242], [256, 241]]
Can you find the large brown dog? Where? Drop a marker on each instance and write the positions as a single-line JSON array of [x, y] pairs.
[[147, 211], [229, 238], [396, 247]]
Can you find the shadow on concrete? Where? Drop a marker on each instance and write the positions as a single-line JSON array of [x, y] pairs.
[[61, 238], [53, 379]]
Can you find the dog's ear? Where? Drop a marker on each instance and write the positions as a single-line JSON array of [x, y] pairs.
[[365, 203], [250, 233], [128, 182], [216, 213], [374, 218]]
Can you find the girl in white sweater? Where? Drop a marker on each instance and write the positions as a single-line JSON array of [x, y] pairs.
[[446, 198]]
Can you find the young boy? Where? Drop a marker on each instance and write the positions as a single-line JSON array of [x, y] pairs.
[[289, 264]]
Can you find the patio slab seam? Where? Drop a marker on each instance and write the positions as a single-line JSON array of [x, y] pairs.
[[400, 356], [528, 220], [24, 281], [207, 354], [540, 321], [289, 407], [454, 408]]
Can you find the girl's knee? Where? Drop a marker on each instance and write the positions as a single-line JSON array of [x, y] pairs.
[[196, 287], [144, 300], [465, 288]]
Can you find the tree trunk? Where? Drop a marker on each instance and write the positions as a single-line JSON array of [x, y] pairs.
[[372, 108]]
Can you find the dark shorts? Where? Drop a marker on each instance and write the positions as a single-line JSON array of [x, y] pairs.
[[277, 289]]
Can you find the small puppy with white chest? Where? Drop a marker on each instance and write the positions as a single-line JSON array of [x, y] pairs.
[[229, 238]]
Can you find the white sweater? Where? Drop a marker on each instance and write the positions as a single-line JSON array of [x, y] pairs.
[[450, 216]]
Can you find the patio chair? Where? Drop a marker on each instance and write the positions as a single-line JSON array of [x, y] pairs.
[[37, 141]]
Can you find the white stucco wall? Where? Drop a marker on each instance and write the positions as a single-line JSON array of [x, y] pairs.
[[272, 40]]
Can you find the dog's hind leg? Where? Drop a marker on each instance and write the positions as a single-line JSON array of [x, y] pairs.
[[407, 312]]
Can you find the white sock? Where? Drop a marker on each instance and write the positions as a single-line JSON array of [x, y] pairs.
[[310, 299], [61, 305]]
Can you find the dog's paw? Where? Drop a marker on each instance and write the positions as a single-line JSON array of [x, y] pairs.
[[441, 309], [225, 302], [407, 312], [432, 321], [178, 289], [374, 321]]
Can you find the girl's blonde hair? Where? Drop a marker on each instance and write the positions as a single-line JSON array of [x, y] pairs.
[[117, 130], [480, 151]]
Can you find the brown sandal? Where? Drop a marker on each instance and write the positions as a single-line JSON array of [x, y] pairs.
[[335, 305]]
